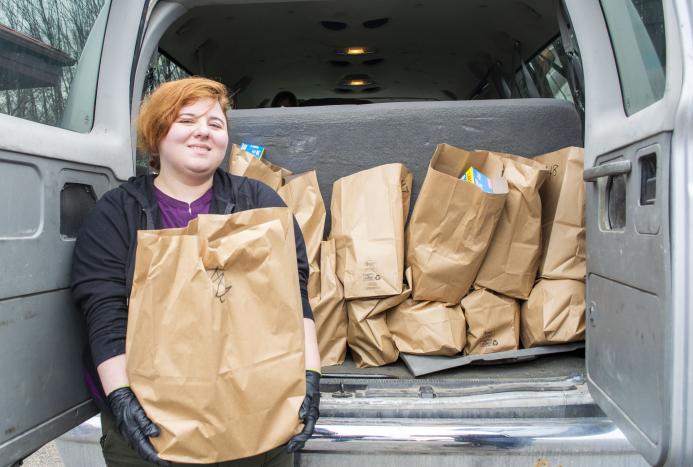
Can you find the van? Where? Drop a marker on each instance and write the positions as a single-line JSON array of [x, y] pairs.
[[376, 81]]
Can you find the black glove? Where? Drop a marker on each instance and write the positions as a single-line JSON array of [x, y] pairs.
[[134, 424], [309, 412]]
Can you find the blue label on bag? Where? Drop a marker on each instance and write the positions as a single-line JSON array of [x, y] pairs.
[[253, 149]]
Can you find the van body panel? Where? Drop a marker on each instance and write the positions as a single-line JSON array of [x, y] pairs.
[[636, 349], [681, 452], [50, 177]]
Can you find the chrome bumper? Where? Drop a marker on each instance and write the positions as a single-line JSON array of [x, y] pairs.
[[441, 443], [417, 443], [525, 442]]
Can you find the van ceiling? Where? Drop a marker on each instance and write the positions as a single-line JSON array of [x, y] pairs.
[[424, 49]]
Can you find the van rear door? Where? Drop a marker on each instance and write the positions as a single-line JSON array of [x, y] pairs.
[[65, 74], [638, 163]]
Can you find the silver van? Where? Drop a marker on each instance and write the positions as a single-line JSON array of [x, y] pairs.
[[375, 81]]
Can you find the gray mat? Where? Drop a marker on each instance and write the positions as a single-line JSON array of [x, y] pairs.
[[424, 364]]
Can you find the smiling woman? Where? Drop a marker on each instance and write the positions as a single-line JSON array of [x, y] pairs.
[[176, 105], [183, 128]]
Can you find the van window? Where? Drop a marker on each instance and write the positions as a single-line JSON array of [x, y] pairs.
[[162, 69], [42, 51], [548, 71], [637, 35]]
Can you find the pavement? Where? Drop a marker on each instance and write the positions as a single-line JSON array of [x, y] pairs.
[[47, 456]]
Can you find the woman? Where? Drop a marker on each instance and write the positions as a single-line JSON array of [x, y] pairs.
[[183, 127]]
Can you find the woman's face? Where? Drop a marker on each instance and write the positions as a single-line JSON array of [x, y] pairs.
[[196, 141]]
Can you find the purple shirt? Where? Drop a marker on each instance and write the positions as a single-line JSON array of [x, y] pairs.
[[176, 213]]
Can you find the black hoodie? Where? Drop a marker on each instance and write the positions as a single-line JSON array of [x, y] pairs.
[[104, 257]]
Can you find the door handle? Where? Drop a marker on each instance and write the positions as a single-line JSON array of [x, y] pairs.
[[606, 170]]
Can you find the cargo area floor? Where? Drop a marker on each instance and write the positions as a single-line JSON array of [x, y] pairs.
[[557, 366]]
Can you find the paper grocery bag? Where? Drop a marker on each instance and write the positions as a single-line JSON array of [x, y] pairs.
[[452, 223], [554, 313], [329, 309], [215, 344], [563, 216], [301, 193], [369, 210], [493, 323], [246, 165], [368, 334], [427, 328], [511, 262]]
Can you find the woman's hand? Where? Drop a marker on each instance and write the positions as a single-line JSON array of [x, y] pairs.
[[309, 412], [134, 424]]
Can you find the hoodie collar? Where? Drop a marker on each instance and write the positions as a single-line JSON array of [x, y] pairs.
[[142, 189]]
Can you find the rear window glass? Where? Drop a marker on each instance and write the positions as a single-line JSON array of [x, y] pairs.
[[547, 71]]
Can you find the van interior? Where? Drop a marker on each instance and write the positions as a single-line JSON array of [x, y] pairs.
[[365, 51], [380, 81]]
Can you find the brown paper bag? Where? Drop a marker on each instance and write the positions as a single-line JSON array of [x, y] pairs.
[[554, 313], [215, 344], [563, 216], [452, 224], [329, 309], [511, 262], [493, 323], [301, 193], [244, 164], [369, 210], [427, 328], [368, 334]]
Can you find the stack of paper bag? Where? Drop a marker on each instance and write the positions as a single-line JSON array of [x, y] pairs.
[[554, 313], [368, 334], [214, 355], [369, 210], [427, 328], [301, 193], [329, 309], [246, 165], [555, 310], [493, 323], [452, 223], [563, 216], [512, 259]]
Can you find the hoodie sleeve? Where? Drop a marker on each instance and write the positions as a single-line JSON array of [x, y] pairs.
[[98, 276], [265, 197]]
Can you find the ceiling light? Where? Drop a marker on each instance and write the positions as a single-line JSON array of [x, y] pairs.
[[352, 51], [356, 81]]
